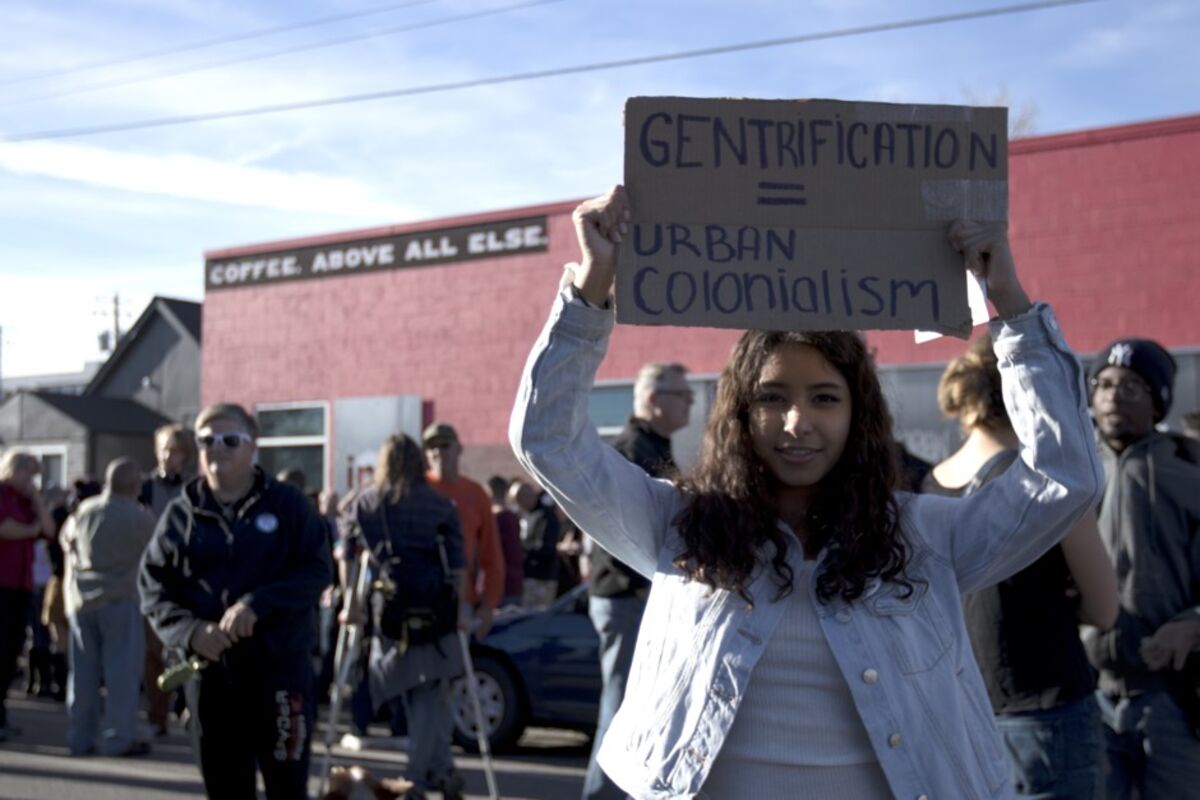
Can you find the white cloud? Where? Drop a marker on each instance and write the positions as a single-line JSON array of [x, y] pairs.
[[1100, 47], [51, 322], [200, 178], [1138, 29]]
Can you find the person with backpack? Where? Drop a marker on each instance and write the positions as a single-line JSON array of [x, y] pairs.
[[804, 635], [416, 546], [1024, 629], [1150, 522]]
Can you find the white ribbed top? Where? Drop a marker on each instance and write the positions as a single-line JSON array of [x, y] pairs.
[[797, 733]]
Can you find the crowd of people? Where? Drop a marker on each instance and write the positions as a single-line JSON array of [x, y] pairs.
[[126, 578], [800, 614]]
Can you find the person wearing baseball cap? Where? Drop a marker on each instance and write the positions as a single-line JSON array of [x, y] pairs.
[[439, 433], [481, 540], [1141, 374], [1148, 520]]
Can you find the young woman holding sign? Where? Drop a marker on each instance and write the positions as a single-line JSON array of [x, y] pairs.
[[804, 634]]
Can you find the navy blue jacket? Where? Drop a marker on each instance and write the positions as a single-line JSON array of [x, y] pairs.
[[273, 556]]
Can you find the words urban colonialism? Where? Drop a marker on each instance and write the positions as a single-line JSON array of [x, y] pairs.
[[387, 252]]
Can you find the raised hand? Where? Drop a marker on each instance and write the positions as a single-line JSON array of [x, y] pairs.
[[600, 225], [987, 254]]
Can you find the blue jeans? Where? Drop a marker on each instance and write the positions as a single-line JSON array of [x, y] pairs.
[[1056, 752], [1151, 752], [107, 648], [427, 707], [616, 620]]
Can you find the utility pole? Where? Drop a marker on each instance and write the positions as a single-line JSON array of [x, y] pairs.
[[110, 311]]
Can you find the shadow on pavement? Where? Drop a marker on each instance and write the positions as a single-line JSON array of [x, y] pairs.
[[546, 764], [172, 787], [559, 759]]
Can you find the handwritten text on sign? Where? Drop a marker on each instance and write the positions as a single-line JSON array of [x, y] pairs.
[[804, 214]]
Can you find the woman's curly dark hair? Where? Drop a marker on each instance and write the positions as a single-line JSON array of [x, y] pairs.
[[732, 508]]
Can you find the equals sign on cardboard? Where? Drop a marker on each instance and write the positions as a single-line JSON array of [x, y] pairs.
[[781, 194]]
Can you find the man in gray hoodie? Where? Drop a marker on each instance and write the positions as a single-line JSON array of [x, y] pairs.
[[1150, 521], [103, 544]]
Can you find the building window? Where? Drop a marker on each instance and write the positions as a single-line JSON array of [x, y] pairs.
[[610, 406], [53, 458], [54, 470], [294, 436]]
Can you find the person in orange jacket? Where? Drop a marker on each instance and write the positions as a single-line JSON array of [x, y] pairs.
[[481, 540]]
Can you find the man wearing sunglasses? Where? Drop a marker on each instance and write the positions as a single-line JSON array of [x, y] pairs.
[[1150, 521], [232, 577]]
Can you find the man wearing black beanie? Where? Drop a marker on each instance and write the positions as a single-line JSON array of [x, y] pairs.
[[1149, 519]]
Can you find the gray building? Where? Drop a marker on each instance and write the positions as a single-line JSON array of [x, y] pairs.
[[151, 378], [61, 382]]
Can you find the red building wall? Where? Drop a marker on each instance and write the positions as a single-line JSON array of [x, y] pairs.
[[457, 335], [1105, 225]]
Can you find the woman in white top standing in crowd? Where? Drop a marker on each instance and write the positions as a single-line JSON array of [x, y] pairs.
[[804, 634], [1024, 629]]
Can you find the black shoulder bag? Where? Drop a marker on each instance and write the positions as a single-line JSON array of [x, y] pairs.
[[414, 605]]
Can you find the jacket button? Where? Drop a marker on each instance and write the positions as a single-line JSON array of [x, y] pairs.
[[870, 676], [894, 740]]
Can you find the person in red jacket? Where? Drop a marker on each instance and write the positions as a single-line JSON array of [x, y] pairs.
[[23, 518]]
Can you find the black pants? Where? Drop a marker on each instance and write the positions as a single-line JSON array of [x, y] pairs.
[[245, 720], [14, 613]]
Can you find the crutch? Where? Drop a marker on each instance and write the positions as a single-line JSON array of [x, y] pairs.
[[485, 749], [345, 655]]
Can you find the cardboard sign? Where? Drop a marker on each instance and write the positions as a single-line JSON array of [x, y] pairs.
[[804, 214]]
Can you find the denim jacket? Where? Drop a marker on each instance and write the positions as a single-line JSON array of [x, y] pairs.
[[907, 659]]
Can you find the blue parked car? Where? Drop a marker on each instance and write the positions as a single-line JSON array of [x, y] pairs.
[[533, 668]]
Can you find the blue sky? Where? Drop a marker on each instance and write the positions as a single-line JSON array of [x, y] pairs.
[[132, 212]]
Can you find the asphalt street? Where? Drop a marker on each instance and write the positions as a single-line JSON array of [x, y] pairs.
[[546, 765]]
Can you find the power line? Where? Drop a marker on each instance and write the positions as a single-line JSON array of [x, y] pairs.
[[301, 48], [64, 133], [207, 43]]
